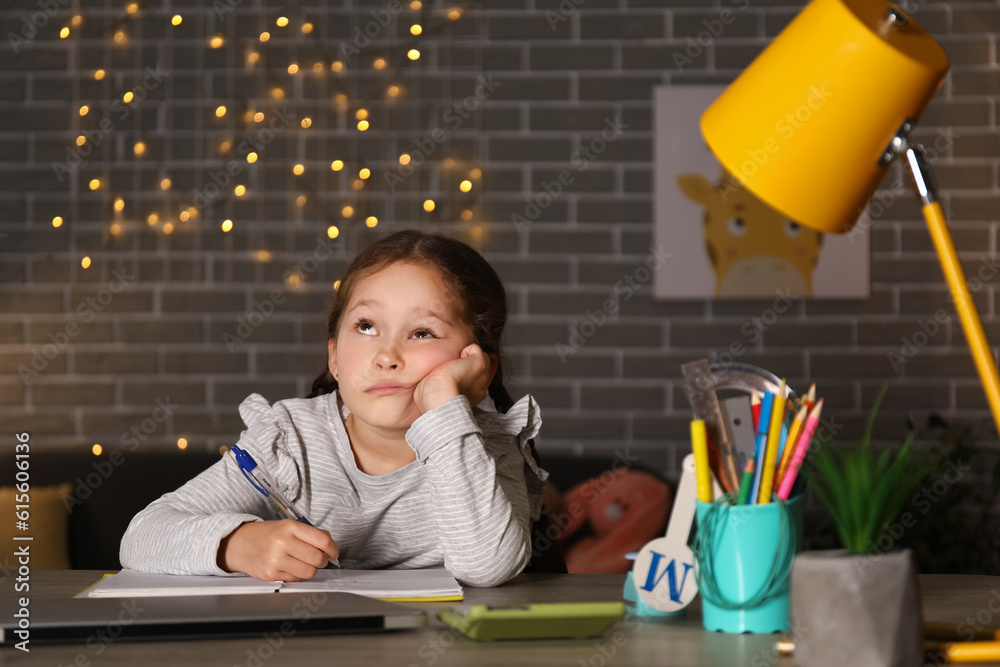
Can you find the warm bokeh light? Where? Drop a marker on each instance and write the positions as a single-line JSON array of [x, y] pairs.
[[318, 67], [84, 110], [95, 183], [416, 4], [333, 231], [365, 173], [307, 28], [393, 91], [119, 204], [57, 221], [293, 280], [132, 8], [306, 123], [347, 211], [97, 449], [336, 165], [177, 19], [358, 184], [413, 54], [81, 140], [415, 29], [428, 205], [264, 36], [371, 221], [240, 190], [217, 41], [336, 284], [76, 20], [467, 214], [128, 97], [168, 228], [152, 219], [361, 114], [454, 14], [251, 157], [253, 58], [182, 443], [165, 184], [336, 66], [404, 158], [227, 225], [465, 186], [258, 117], [475, 174], [379, 63], [139, 148], [341, 100], [293, 69], [363, 125], [225, 146], [115, 229], [281, 21], [85, 262], [277, 93], [299, 169], [99, 75], [263, 255], [301, 201], [64, 32], [120, 37], [220, 111], [184, 216]]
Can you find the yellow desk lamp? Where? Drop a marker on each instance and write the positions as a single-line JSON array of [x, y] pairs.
[[813, 123]]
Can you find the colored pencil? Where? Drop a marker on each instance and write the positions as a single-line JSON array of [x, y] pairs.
[[765, 421], [773, 443], [793, 435], [801, 447], [699, 445], [809, 400], [755, 409], [747, 483]]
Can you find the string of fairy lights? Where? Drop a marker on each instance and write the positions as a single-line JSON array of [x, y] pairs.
[[288, 49], [283, 60]]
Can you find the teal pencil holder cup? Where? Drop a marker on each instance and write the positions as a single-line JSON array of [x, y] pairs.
[[744, 555]]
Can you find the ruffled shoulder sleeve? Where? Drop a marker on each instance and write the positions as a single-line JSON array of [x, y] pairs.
[[522, 423]]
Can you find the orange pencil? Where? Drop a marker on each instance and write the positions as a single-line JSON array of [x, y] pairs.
[[810, 397], [793, 437]]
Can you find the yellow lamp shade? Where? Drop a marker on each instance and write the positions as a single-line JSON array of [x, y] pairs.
[[804, 126]]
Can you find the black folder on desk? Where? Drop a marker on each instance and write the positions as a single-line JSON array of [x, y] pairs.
[[204, 616]]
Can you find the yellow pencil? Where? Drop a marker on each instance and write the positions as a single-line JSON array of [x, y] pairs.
[[771, 452], [699, 445], [793, 436], [972, 652]]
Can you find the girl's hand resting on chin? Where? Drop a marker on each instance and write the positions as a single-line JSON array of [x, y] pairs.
[[469, 375], [283, 550]]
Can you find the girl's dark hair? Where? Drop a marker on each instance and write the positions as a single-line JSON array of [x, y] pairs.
[[478, 291]]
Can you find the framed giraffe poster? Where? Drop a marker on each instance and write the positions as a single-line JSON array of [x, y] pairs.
[[723, 241]]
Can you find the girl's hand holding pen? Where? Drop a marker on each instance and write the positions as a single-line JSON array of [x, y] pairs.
[[283, 550], [469, 375]]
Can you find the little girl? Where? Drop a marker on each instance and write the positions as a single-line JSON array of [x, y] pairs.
[[387, 458]]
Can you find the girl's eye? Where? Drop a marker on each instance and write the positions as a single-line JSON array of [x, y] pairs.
[[367, 328], [423, 333]]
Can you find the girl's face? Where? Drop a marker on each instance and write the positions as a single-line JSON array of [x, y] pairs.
[[401, 323]]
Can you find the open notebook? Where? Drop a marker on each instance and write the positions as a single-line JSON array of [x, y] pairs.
[[429, 585]]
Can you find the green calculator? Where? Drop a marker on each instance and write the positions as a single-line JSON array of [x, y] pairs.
[[533, 621]]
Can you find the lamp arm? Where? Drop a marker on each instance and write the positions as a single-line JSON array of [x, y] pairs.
[[972, 326]]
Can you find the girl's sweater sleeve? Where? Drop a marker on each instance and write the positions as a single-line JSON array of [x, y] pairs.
[[485, 486], [179, 533]]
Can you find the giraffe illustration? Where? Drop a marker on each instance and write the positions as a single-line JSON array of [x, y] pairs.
[[754, 250]]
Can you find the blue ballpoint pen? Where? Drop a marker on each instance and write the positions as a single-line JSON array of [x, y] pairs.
[[766, 405], [264, 483]]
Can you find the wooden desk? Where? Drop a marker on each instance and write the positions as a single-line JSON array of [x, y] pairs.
[[678, 643]]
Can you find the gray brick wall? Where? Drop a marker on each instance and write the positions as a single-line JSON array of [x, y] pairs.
[[512, 88]]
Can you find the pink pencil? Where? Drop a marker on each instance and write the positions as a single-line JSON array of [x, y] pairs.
[[799, 455]]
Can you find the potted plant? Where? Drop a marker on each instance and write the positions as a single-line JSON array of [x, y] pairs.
[[861, 605]]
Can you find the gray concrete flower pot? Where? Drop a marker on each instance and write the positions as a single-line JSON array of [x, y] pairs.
[[856, 610]]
